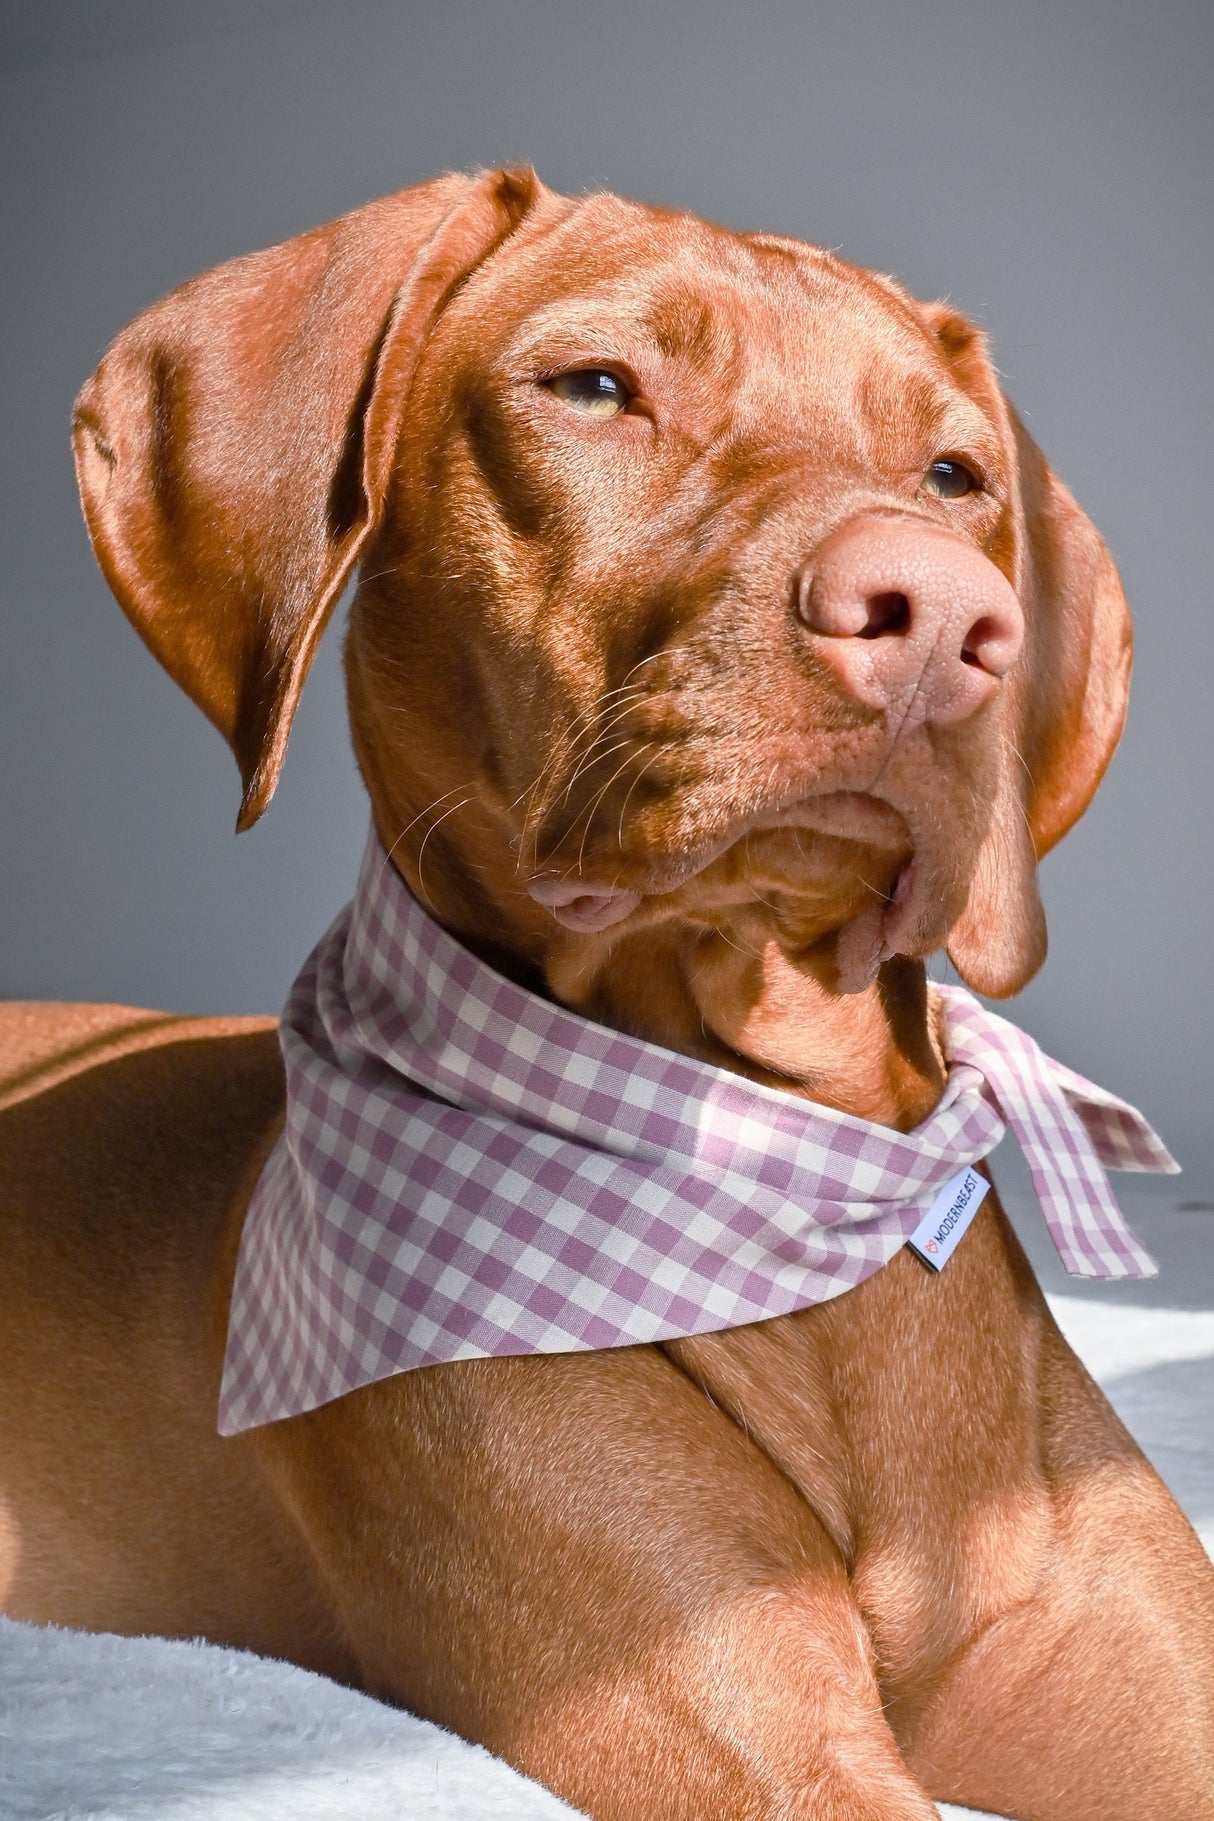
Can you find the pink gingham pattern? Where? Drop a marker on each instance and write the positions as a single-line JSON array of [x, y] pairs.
[[469, 1170]]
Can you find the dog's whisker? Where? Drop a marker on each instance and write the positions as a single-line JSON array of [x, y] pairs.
[[666, 652], [619, 771], [421, 883], [569, 742], [610, 699], [594, 734], [1017, 754], [537, 816], [741, 948], [593, 754], [468, 785], [645, 767], [602, 717], [1021, 806]]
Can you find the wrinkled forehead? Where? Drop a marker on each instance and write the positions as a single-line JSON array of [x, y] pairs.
[[778, 331]]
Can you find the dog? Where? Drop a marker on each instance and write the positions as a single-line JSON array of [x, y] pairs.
[[724, 646]]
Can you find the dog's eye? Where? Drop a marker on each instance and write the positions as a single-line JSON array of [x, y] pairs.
[[950, 480], [592, 389]]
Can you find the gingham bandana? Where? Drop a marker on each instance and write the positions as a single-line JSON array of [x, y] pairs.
[[467, 1169]]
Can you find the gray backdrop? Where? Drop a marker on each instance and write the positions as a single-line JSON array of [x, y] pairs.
[[1047, 166]]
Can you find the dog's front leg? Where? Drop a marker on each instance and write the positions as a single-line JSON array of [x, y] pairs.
[[581, 1562], [1094, 1699], [1041, 1613]]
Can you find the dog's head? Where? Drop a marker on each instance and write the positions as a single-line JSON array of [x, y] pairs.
[[706, 578]]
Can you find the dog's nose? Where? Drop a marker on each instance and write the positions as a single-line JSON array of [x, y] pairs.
[[900, 607]]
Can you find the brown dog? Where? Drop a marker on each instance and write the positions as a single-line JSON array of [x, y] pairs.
[[724, 645]]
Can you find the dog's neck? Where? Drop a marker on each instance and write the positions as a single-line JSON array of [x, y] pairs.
[[774, 1018], [742, 1005]]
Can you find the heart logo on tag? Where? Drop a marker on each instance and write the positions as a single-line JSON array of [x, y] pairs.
[[938, 1234]]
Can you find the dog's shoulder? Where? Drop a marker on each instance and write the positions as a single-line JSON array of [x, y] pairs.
[[113, 1118]]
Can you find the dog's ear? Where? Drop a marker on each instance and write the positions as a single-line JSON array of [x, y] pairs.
[[1066, 704], [234, 447]]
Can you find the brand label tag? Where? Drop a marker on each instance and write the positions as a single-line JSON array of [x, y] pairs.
[[942, 1228]]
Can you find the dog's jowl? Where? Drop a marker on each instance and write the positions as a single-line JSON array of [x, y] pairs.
[[726, 648]]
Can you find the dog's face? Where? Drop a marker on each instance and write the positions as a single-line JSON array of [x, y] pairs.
[[650, 439], [707, 578]]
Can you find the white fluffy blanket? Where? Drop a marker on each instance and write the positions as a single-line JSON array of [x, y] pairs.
[[137, 1729]]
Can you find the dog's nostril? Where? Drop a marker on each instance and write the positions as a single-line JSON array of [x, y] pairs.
[[887, 613], [989, 646]]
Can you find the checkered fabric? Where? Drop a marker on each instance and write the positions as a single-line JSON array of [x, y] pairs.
[[468, 1170]]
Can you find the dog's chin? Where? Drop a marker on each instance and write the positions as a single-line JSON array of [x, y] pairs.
[[878, 903], [921, 903], [909, 922], [843, 868]]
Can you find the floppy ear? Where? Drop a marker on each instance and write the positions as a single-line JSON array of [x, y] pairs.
[[234, 447], [1066, 706]]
